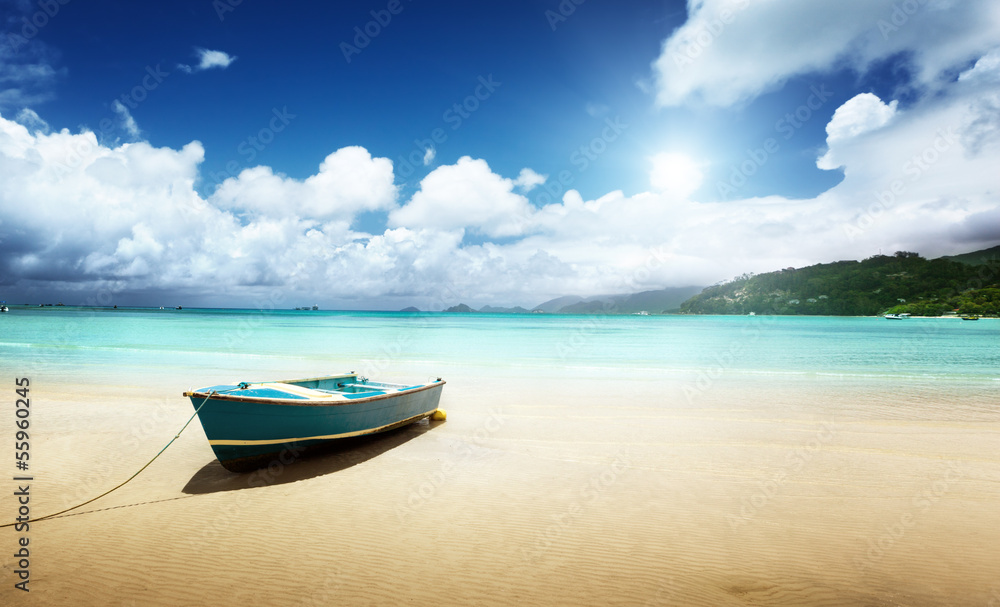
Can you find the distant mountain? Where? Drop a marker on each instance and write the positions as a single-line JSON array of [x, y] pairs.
[[656, 302], [410, 309], [976, 258], [493, 310], [587, 306], [663, 300], [554, 305], [464, 309], [903, 282]]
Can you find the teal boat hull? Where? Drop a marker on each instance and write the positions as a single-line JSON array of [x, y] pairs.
[[251, 425]]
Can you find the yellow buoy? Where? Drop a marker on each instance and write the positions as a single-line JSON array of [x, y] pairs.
[[439, 415]]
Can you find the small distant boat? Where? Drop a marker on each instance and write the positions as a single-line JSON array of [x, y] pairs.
[[902, 316], [249, 423], [970, 318], [4, 308]]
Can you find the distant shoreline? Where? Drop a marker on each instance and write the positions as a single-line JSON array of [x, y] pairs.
[[49, 307]]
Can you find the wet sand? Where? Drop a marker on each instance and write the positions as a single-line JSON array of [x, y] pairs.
[[536, 491]]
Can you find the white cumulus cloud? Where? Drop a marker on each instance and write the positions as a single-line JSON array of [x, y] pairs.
[[348, 181], [858, 115], [30, 119], [528, 180], [208, 59], [465, 195], [730, 51]]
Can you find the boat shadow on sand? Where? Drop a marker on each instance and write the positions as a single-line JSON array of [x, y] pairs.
[[313, 462]]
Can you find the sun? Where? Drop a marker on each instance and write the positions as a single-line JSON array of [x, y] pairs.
[[675, 173]]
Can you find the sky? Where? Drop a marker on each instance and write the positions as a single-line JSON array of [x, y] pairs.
[[391, 153]]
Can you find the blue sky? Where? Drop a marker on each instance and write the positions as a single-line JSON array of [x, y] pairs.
[[394, 92], [372, 154]]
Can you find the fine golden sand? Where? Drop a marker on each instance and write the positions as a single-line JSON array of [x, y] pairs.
[[536, 491]]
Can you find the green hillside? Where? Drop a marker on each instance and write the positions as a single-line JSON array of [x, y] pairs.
[[904, 282]]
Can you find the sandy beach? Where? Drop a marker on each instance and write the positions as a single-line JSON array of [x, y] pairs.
[[533, 492]]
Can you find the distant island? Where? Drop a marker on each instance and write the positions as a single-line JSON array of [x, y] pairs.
[[904, 282]]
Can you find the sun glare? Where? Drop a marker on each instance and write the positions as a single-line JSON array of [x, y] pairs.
[[675, 173]]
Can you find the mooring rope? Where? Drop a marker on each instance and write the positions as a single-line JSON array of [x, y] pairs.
[[119, 486]]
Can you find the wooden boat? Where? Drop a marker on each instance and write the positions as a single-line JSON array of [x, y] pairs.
[[970, 318], [249, 424]]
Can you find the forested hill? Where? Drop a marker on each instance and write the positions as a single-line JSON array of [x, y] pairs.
[[904, 282]]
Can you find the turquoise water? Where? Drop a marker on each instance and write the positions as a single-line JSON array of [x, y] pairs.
[[165, 347]]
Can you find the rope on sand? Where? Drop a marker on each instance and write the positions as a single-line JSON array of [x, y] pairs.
[[119, 486]]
